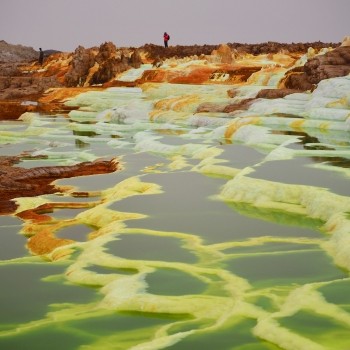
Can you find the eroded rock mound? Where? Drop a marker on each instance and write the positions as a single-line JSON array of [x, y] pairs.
[[346, 41], [99, 65], [110, 63], [109, 69], [223, 54], [335, 63], [225, 108], [275, 93], [20, 90], [82, 60], [16, 53]]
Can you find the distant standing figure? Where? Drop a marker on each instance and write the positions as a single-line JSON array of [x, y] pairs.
[[41, 56], [166, 37]]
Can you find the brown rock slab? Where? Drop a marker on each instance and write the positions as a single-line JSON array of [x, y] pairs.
[[335, 63], [20, 182], [275, 93]]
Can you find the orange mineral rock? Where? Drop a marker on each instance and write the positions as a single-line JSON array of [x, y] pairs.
[[20, 182]]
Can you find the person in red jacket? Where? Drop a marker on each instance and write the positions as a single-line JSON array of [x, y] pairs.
[[166, 37]]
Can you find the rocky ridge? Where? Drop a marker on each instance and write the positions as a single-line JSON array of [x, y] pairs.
[[16, 53], [22, 77]]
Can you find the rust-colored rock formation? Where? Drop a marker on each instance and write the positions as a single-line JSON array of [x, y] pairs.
[[21, 182], [240, 106], [229, 108], [98, 66], [82, 60], [223, 54], [199, 74], [332, 64], [275, 93], [44, 242], [109, 64], [12, 110], [52, 101], [23, 81], [41, 228], [24, 87], [20, 90], [210, 107]]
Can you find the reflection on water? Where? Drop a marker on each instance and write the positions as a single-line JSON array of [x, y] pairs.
[[294, 267], [12, 244], [78, 233], [313, 143], [16, 280], [145, 247], [172, 282], [299, 171], [195, 243]]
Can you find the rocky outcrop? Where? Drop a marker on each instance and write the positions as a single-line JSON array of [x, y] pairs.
[[12, 110], [16, 53], [135, 59], [105, 52], [335, 63], [82, 60], [228, 108], [346, 41], [296, 79], [99, 66], [22, 84], [239, 106], [210, 107], [25, 87], [109, 69], [21, 182], [20, 90], [110, 63], [200, 74], [223, 54], [275, 93]]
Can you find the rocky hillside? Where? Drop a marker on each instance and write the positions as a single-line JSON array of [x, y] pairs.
[[16, 53], [23, 80]]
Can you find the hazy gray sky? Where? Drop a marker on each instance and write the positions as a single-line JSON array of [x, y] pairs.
[[65, 24]]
